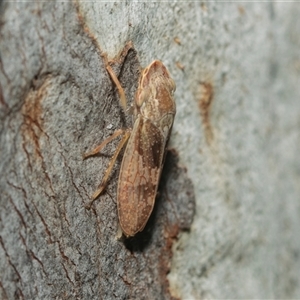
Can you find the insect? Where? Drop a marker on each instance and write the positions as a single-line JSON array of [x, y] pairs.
[[153, 115]]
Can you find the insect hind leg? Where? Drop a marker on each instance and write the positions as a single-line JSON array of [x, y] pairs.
[[110, 167]]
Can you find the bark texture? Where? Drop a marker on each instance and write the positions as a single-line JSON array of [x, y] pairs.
[[227, 216]]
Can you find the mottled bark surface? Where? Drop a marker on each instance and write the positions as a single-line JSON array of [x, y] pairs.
[[57, 102], [227, 216]]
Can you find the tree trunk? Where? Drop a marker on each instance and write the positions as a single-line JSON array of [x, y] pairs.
[[227, 214]]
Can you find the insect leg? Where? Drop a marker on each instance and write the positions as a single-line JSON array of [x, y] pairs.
[[109, 168], [103, 144], [116, 81]]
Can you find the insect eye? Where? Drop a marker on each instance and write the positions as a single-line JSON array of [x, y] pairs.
[[172, 85], [142, 96]]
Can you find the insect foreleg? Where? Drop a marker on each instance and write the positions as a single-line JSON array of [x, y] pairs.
[[116, 81]]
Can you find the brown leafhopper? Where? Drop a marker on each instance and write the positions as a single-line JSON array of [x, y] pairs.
[[153, 116]]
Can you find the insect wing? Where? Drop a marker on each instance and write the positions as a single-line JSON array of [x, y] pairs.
[[139, 176]]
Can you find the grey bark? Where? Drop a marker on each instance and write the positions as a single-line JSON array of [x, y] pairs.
[[227, 216]]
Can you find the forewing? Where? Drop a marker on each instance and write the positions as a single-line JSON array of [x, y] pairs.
[[139, 176]]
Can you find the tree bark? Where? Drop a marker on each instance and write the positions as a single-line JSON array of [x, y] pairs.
[[227, 214]]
